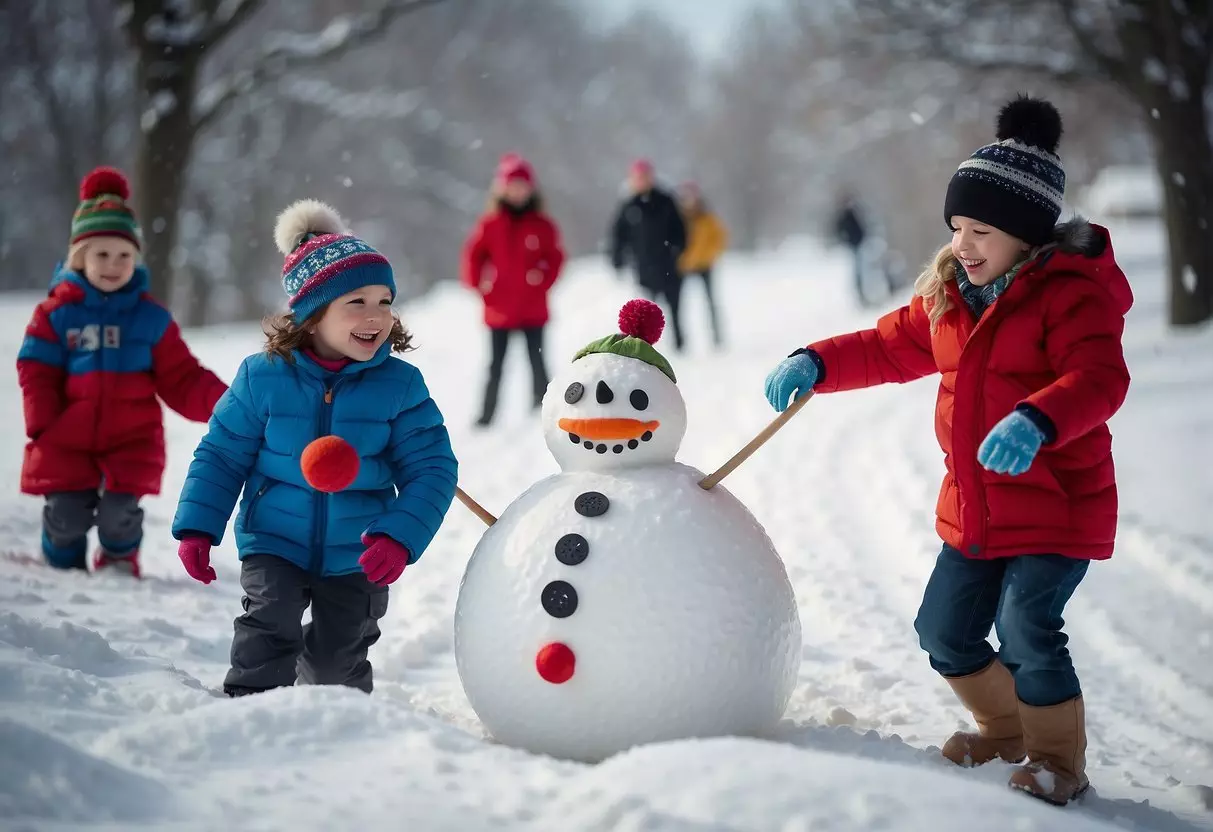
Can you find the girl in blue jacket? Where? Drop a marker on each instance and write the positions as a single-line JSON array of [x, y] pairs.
[[327, 370]]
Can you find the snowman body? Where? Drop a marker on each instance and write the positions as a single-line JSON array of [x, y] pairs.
[[666, 607]]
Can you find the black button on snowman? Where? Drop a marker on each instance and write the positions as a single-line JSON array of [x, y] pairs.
[[559, 598]]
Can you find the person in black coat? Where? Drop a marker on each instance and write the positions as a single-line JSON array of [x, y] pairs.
[[649, 231], [849, 230]]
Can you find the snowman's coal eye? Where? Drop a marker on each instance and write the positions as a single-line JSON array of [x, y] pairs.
[[603, 393], [639, 399], [574, 392]]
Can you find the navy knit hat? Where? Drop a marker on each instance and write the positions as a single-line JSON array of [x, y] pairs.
[[1016, 184], [324, 260]]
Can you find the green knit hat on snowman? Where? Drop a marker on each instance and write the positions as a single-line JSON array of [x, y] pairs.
[[641, 323]]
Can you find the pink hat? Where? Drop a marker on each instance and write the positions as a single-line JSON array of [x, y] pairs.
[[642, 167], [512, 166]]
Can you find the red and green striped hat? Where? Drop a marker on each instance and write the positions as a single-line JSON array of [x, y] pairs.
[[103, 211]]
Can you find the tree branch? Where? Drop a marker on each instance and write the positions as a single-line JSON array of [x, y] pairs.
[[138, 13], [988, 58], [227, 17], [958, 34], [104, 38], [288, 51], [1107, 63], [56, 110]]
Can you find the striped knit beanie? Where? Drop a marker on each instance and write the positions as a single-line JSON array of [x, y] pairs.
[[323, 259], [103, 211], [1017, 183]]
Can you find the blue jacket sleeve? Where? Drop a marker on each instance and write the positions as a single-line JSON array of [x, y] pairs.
[[425, 471], [222, 463]]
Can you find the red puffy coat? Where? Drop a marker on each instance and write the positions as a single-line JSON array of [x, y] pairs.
[[91, 367], [1052, 340], [513, 259]]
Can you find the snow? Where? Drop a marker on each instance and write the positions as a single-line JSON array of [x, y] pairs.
[[382, 104], [162, 103], [110, 716], [1124, 191]]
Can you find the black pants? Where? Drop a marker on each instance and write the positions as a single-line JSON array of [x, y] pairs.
[[271, 648], [499, 340], [713, 316], [671, 293], [68, 516]]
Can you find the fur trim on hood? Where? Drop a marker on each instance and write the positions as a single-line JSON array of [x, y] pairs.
[[1077, 236]]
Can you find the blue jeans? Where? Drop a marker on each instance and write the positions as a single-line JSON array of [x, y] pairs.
[[1023, 597]]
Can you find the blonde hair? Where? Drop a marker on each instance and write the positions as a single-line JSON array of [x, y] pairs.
[[75, 252], [931, 285]]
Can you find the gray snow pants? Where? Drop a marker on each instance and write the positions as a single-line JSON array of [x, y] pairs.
[[271, 647], [68, 516]]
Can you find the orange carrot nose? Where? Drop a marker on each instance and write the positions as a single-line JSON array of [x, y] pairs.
[[607, 428]]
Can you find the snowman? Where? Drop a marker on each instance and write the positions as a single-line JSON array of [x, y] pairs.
[[619, 603]]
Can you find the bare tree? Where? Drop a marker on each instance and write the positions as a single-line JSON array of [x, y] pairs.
[[68, 105], [172, 39], [1159, 52]]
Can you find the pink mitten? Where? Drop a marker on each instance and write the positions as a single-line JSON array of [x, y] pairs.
[[195, 554], [384, 559]]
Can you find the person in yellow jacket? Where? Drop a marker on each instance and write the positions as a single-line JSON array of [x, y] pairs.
[[707, 239]]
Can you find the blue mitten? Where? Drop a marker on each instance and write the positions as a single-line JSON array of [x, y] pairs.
[[795, 374], [1011, 445]]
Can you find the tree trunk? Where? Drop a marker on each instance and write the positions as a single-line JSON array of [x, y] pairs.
[[1184, 157], [168, 79]]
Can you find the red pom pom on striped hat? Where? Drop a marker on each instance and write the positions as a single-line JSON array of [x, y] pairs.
[[104, 181], [103, 211]]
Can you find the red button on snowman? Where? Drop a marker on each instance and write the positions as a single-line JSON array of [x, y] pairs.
[[619, 602]]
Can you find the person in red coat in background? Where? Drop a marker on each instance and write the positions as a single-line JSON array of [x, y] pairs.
[[97, 355], [1023, 320], [512, 258]]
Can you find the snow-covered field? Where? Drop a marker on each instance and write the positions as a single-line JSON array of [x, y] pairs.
[[110, 716]]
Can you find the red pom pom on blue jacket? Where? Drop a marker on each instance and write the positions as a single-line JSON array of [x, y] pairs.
[[329, 464]]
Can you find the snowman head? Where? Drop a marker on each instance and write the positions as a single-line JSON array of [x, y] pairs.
[[617, 404]]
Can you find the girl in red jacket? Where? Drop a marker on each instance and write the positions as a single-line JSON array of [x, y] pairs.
[[1023, 320], [98, 355], [512, 258]]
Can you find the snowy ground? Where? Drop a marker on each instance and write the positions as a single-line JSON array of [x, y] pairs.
[[109, 716]]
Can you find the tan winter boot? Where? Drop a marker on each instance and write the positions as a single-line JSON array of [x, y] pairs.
[[1056, 738], [989, 694]]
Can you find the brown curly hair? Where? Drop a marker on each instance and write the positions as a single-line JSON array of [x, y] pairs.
[[284, 335]]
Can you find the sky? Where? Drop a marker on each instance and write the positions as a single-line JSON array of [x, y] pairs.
[[707, 22]]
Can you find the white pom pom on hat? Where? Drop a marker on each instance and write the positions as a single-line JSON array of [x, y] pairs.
[[307, 216]]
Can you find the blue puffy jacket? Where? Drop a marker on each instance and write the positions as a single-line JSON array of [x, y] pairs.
[[257, 434]]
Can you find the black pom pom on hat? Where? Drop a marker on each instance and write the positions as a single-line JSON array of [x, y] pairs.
[[1016, 184], [1030, 121]]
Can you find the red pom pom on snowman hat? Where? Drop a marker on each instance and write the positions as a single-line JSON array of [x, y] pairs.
[[329, 464], [641, 323], [642, 319], [105, 181]]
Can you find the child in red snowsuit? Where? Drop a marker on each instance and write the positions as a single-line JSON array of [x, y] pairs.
[[511, 258], [97, 354], [1022, 318]]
